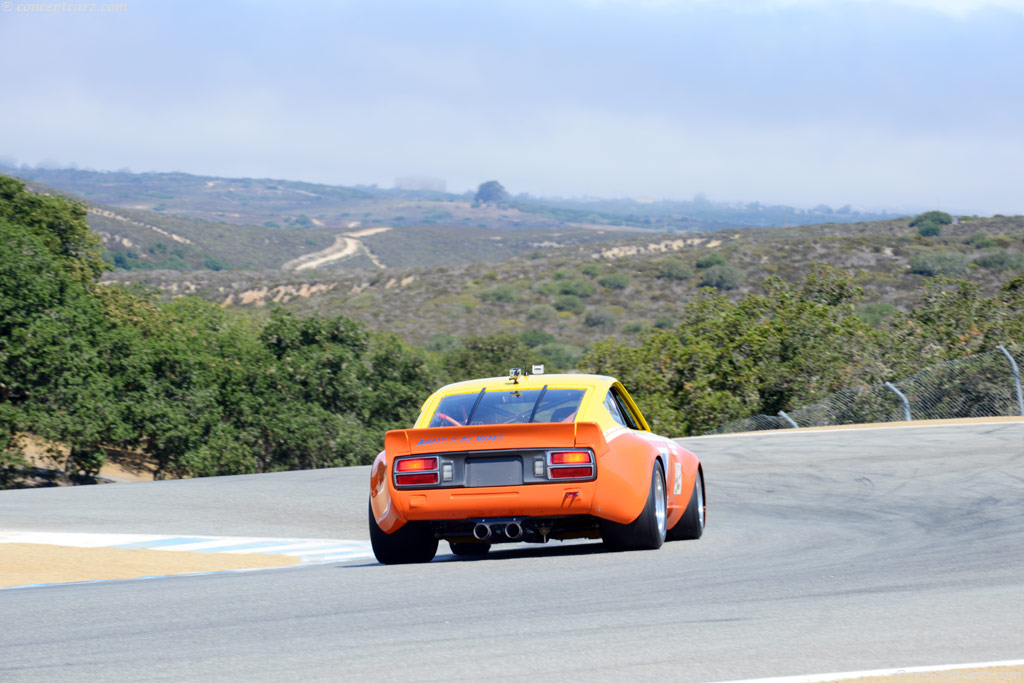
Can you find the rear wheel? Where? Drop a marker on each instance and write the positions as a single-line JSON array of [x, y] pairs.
[[469, 549], [414, 542], [691, 525], [646, 532]]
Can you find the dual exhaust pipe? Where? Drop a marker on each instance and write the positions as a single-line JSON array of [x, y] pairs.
[[512, 531]]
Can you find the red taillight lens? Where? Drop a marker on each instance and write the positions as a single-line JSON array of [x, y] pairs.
[[570, 472], [416, 465], [571, 458], [416, 479]]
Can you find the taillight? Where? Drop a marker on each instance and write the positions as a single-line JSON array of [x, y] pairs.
[[571, 458], [570, 472], [416, 464], [416, 472], [416, 479], [571, 465]]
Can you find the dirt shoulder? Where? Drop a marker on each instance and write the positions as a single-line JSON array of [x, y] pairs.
[[31, 563], [992, 674]]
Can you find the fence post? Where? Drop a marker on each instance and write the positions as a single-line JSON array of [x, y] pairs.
[[906, 403], [787, 418], [1016, 378]]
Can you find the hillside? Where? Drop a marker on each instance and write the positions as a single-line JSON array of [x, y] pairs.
[[137, 239], [285, 203], [569, 296]]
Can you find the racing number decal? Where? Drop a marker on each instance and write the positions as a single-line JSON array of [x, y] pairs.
[[679, 479]]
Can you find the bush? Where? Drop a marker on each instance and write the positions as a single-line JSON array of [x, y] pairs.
[[576, 287], [932, 263], [1001, 259], [570, 303], [540, 313], [500, 294], [928, 229], [936, 217], [558, 356], [632, 328], [674, 269], [562, 274], [442, 342], [591, 269], [665, 322], [710, 260], [615, 281], [534, 338], [722, 277], [599, 317], [980, 241], [876, 314]]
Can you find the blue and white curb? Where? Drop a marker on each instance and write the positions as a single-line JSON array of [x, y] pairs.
[[306, 550]]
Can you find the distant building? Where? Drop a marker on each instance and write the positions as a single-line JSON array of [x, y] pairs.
[[420, 183]]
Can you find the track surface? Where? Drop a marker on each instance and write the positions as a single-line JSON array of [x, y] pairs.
[[825, 551]]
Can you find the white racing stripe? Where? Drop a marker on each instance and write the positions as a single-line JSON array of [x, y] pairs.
[[307, 550], [900, 673]]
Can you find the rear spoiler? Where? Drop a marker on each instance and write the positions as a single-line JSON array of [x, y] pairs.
[[495, 437]]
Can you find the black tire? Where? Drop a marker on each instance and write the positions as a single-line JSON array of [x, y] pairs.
[[414, 542], [647, 531], [469, 549], [691, 526]]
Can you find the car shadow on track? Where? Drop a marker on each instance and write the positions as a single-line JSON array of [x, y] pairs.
[[513, 552]]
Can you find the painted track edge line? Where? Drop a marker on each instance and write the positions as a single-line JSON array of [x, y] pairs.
[[846, 675], [854, 428]]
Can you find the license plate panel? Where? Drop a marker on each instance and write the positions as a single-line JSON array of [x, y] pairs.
[[499, 471]]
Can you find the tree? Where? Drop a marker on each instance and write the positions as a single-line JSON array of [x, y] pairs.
[[60, 224], [491, 192]]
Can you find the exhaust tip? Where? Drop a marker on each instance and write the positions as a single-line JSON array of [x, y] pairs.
[[513, 530], [481, 532]]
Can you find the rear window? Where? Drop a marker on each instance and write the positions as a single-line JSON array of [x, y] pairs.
[[508, 407]]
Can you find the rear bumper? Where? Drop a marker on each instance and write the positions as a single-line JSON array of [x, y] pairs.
[[528, 500]]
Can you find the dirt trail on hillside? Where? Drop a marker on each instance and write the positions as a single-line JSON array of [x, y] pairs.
[[345, 245]]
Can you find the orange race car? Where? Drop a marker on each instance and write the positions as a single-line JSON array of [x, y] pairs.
[[530, 458]]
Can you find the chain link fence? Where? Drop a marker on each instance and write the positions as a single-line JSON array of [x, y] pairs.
[[984, 385]]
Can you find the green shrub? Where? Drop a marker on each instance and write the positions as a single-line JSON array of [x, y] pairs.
[[500, 294], [1001, 259], [665, 322], [599, 317], [937, 217], [715, 259], [562, 274], [980, 241], [442, 342], [558, 356], [615, 281], [722, 277], [633, 328], [929, 229], [591, 269], [876, 314], [576, 287], [674, 269], [540, 313], [932, 263], [569, 303], [534, 338]]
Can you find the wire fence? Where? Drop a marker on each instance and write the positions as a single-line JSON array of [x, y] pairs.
[[984, 385]]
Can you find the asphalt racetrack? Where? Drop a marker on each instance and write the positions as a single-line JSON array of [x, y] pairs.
[[825, 551]]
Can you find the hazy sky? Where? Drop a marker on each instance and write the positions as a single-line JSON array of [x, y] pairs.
[[882, 104]]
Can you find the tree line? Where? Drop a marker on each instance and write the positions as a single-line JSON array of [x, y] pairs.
[[202, 391]]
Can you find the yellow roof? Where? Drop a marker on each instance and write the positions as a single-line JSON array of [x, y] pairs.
[[529, 382]]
